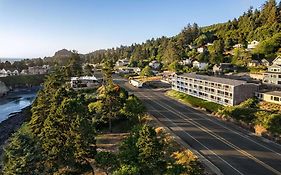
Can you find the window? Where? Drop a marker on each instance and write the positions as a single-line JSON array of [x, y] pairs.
[[276, 98], [271, 98]]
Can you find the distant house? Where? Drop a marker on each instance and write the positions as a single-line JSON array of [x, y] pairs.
[[154, 64], [122, 62], [200, 49], [3, 73], [252, 45], [200, 65], [167, 76], [24, 72], [238, 46], [186, 62], [273, 74], [15, 72], [222, 67], [38, 70], [209, 44], [128, 70], [85, 82], [265, 62], [254, 63]]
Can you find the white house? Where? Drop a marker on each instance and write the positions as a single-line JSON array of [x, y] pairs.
[[154, 64], [3, 73], [122, 62], [186, 62], [200, 49], [265, 62], [238, 46], [85, 82], [15, 72], [253, 44], [200, 65]]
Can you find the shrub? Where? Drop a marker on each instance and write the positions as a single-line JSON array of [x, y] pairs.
[[127, 170]]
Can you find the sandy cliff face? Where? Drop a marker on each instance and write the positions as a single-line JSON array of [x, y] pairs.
[[3, 88]]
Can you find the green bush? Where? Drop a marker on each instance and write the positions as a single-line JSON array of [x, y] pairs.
[[127, 170], [194, 101]]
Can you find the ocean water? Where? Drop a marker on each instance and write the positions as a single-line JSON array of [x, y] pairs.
[[15, 103], [10, 59]]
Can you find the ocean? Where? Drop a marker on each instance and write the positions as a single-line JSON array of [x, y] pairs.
[[10, 59]]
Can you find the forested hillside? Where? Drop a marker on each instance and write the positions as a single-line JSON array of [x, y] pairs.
[[262, 25]]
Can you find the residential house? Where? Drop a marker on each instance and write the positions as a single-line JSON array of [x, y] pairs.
[[24, 72], [270, 96], [273, 74], [200, 65], [185, 62], [154, 64], [3, 73], [122, 62], [209, 44], [237, 46], [200, 49], [15, 72], [254, 63], [252, 45], [265, 62], [223, 67], [223, 91], [85, 81], [38, 70], [167, 76]]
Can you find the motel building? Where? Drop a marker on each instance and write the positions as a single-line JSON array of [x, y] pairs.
[[270, 96], [224, 91]]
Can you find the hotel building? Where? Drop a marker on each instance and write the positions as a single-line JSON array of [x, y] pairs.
[[223, 91]]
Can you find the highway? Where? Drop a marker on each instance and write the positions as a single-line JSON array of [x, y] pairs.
[[229, 148]]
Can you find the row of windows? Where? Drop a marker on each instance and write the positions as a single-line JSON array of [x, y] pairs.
[[206, 89], [203, 82], [275, 98], [203, 95]]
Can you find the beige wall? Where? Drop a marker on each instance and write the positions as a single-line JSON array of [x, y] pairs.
[[267, 97]]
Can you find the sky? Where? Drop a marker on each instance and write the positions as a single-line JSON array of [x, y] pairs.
[[38, 28]]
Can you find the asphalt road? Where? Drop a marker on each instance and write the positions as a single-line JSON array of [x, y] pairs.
[[229, 148]]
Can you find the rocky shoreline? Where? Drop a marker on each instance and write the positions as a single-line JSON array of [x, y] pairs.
[[11, 124]]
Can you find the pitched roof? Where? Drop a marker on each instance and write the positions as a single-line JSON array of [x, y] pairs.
[[222, 80]]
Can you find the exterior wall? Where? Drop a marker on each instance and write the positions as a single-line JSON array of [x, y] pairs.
[[207, 90], [243, 92], [257, 76], [223, 94], [272, 78], [270, 98]]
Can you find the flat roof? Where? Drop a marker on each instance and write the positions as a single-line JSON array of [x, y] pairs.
[[214, 79], [275, 93]]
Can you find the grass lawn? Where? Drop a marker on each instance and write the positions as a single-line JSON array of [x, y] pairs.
[[194, 101]]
